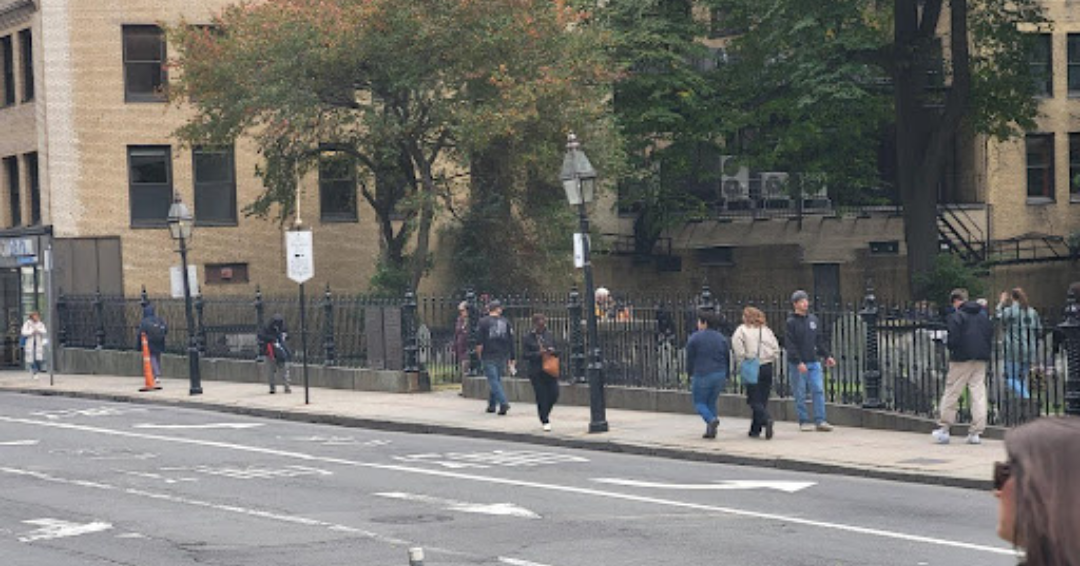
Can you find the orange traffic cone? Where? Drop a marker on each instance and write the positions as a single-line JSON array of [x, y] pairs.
[[147, 367]]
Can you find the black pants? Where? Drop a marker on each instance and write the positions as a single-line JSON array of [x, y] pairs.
[[757, 396], [546, 389]]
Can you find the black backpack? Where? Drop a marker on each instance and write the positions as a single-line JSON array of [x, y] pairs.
[[155, 329]]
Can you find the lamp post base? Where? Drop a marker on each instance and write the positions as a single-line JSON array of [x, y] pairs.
[[600, 426]]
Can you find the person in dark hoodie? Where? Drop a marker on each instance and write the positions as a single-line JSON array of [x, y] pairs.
[[707, 361], [970, 341], [155, 330], [273, 336], [806, 344]]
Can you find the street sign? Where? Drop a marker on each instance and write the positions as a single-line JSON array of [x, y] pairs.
[[298, 255], [581, 241], [176, 282]]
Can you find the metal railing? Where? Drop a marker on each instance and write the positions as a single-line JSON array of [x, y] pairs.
[[642, 338]]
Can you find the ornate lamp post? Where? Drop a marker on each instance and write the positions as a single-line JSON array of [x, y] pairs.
[[579, 181], [181, 223]]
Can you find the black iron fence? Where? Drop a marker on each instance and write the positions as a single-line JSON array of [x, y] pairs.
[[641, 336]]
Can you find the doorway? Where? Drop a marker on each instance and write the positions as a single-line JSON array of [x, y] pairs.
[[11, 310]]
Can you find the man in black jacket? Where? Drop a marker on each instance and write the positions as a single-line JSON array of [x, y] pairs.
[[970, 341], [806, 344], [496, 351]]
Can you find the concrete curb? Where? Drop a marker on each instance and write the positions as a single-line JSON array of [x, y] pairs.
[[526, 438]]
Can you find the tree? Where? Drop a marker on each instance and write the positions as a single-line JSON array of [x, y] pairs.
[[408, 91], [832, 76]]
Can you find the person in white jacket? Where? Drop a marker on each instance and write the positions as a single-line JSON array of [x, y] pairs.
[[753, 339], [34, 340]]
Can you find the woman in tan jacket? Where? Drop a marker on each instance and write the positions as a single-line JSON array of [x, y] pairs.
[[753, 339]]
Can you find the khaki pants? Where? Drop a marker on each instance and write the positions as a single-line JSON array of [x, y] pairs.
[[971, 374]]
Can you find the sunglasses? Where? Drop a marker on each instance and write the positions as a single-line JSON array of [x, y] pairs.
[[1002, 473]]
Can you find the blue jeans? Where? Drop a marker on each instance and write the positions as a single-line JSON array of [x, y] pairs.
[[1016, 378], [705, 390], [816, 381], [493, 372]]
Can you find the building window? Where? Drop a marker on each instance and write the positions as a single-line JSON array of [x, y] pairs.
[[26, 49], [1040, 168], [7, 59], [337, 188], [215, 186], [226, 273], [716, 256], [11, 167], [33, 175], [150, 185], [1074, 64], [1074, 167], [1041, 64], [145, 78]]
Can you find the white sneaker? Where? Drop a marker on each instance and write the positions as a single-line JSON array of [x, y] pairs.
[[806, 427], [547, 427], [974, 439], [940, 435]]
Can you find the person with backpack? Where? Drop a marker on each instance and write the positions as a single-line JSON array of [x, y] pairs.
[[273, 339], [155, 330], [496, 351], [34, 337]]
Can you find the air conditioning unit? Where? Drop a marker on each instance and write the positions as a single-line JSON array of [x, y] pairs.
[[734, 179], [774, 186]]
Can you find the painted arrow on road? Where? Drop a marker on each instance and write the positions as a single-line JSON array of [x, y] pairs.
[[56, 528], [200, 426], [501, 509], [785, 486]]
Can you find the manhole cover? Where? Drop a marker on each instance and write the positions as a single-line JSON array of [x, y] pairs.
[[924, 461], [411, 519]]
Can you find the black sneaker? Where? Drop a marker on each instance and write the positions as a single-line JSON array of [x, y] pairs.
[[710, 429], [769, 430], [272, 391], [491, 409], [503, 409]]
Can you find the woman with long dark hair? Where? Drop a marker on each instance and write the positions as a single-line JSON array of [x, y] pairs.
[[1038, 496]]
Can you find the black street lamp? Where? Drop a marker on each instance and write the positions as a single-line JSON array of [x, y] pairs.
[[579, 181], [180, 226]]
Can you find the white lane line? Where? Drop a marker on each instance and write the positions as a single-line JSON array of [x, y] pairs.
[[500, 509], [530, 484], [198, 426], [51, 529], [785, 486], [19, 443], [516, 562]]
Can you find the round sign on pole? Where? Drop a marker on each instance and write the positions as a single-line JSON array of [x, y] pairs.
[[298, 255]]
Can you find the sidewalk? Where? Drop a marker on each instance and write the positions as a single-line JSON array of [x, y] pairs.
[[851, 451]]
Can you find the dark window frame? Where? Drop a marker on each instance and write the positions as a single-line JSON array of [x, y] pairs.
[[240, 273], [1047, 168], [26, 52], [14, 190], [328, 185], [7, 59], [1074, 168], [203, 187], [161, 222], [131, 32], [716, 256], [1042, 68], [1072, 61], [33, 175]]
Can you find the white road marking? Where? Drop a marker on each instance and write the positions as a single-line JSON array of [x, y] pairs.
[[337, 440], [105, 454], [253, 472], [19, 443], [785, 486], [481, 460], [530, 484], [91, 412], [56, 528], [500, 509], [198, 426], [517, 562], [131, 535]]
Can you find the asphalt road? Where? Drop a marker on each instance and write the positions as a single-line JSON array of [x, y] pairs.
[[91, 483]]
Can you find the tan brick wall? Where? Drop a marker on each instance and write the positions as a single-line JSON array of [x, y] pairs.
[[99, 126]]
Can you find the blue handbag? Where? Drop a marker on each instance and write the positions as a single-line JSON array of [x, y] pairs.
[[750, 367]]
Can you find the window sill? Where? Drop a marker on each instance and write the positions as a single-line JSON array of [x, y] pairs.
[[149, 225], [1040, 201], [146, 100], [216, 223], [339, 219]]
